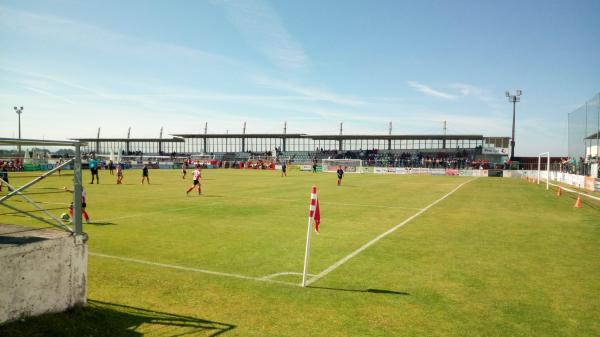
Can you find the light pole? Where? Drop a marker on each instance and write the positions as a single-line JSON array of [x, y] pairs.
[[514, 99], [19, 111]]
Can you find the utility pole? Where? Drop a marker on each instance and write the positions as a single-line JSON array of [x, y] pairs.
[[340, 140], [283, 140], [98, 141], [389, 141]]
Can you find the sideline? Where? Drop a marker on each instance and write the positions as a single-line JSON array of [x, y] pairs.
[[203, 271]]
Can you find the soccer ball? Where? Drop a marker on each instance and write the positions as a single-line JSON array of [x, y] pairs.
[[65, 217]]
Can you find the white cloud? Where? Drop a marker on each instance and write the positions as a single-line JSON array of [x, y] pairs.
[[427, 90], [93, 36], [309, 93], [483, 95], [263, 29], [49, 94]]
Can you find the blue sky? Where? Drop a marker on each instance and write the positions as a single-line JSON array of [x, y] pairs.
[[79, 65]]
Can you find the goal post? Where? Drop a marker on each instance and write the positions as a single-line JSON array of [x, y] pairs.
[[539, 168], [348, 165]]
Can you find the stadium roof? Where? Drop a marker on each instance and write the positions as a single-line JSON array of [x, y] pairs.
[[242, 135], [331, 137], [594, 136], [164, 140], [14, 141], [338, 137]]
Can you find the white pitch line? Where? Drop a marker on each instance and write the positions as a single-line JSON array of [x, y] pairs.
[[268, 277], [204, 271], [573, 191], [389, 231]]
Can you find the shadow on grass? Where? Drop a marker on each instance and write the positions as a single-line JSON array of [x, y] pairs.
[[101, 223], [585, 202], [35, 210], [107, 319], [373, 291]]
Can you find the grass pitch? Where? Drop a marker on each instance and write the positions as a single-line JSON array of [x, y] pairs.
[[498, 257]]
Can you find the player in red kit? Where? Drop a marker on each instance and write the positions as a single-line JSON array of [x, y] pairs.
[[83, 204]]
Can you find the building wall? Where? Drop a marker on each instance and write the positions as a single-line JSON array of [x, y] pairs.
[[45, 273]]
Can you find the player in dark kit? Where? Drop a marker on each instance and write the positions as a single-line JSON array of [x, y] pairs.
[[283, 170], [340, 174], [4, 175], [145, 175], [184, 167]]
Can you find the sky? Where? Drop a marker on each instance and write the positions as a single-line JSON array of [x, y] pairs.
[[76, 66]]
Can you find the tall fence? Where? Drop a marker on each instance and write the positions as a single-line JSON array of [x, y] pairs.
[[584, 130]]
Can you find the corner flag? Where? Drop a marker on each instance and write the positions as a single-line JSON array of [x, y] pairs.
[[314, 216], [314, 212]]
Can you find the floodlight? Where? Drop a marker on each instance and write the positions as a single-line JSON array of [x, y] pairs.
[[519, 92], [507, 94]]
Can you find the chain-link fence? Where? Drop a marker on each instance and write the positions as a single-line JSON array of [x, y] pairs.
[[584, 130]]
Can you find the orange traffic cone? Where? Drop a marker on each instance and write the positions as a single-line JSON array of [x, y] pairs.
[[558, 192], [578, 202]]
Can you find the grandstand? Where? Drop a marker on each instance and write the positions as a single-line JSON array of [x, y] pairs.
[[456, 151]]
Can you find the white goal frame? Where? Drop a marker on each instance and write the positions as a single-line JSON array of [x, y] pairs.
[[547, 155], [342, 162]]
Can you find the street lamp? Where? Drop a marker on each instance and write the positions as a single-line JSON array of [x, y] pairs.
[[514, 99], [19, 111]]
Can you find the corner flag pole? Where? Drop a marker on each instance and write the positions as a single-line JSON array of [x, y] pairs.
[[311, 214]]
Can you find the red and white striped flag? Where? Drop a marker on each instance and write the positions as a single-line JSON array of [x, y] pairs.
[[314, 213]]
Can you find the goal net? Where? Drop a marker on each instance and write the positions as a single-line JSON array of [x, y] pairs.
[[348, 165], [202, 159]]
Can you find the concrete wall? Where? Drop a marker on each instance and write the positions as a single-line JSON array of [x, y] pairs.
[[41, 271]]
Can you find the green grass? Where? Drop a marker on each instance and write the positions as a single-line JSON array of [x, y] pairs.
[[499, 257]]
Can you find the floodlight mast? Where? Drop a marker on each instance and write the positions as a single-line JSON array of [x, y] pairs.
[[19, 111], [514, 99]]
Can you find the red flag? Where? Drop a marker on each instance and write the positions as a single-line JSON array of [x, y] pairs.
[[317, 217], [314, 212]]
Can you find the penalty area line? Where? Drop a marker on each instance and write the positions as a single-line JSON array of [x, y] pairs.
[[196, 270], [381, 236]]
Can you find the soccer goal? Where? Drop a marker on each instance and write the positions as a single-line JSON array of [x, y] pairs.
[[348, 165], [545, 175], [202, 159]]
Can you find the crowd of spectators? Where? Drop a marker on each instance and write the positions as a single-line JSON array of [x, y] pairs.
[[459, 159], [575, 166], [12, 165]]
